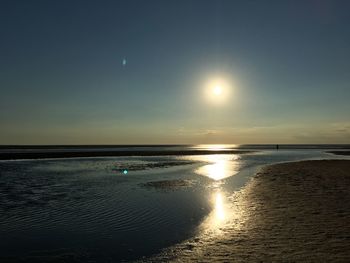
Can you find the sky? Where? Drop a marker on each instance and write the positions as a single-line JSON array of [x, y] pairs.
[[138, 72]]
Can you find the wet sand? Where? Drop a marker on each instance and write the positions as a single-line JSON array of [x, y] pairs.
[[291, 212], [169, 185], [41, 155]]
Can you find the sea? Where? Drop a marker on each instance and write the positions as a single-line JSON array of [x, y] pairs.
[[126, 208]]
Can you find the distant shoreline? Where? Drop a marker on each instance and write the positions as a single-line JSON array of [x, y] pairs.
[[83, 146], [330, 147], [46, 155], [340, 152], [16, 152]]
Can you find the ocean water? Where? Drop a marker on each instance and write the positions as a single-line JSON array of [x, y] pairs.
[[89, 210]]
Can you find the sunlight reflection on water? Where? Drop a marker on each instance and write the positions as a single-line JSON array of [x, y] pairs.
[[215, 147], [218, 217], [219, 207], [220, 167], [227, 213]]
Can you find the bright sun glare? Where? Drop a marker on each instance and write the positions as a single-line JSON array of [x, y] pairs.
[[218, 90]]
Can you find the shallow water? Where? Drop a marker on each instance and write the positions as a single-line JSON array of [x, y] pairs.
[[89, 210]]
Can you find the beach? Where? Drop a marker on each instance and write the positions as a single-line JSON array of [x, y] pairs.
[[260, 206], [289, 212]]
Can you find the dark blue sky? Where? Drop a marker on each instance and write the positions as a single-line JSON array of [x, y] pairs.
[[286, 65]]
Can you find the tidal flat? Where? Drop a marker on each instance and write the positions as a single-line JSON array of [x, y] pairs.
[[288, 212], [228, 207]]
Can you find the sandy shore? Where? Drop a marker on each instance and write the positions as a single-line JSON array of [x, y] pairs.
[[292, 212]]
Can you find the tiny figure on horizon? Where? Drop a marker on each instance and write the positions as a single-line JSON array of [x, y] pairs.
[[277, 147], [124, 62]]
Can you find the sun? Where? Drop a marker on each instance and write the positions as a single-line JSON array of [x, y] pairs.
[[217, 90]]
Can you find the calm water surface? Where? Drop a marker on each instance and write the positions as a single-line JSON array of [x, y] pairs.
[[88, 210]]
